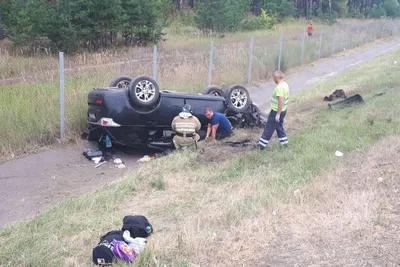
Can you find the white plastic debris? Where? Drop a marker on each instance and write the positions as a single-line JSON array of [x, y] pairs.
[[275, 212], [117, 161], [296, 192], [338, 153], [395, 62], [96, 160], [98, 165], [120, 166], [145, 159]]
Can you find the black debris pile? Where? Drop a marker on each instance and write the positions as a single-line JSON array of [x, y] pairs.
[[338, 93], [252, 118], [352, 100], [240, 143], [123, 245]]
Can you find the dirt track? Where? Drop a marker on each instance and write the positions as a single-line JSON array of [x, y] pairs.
[[36, 182]]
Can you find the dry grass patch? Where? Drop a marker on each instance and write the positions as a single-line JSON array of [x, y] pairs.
[[348, 217]]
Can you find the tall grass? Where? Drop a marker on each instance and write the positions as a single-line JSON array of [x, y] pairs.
[[223, 217], [29, 86]]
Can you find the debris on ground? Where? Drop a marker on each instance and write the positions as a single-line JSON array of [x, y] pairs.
[[101, 163], [380, 94], [96, 160], [125, 244], [93, 154], [352, 100], [338, 153], [240, 143], [145, 159], [338, 93], [119, 164]]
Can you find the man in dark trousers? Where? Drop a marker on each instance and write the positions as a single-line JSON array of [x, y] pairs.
[[279, 102], [219, 127]]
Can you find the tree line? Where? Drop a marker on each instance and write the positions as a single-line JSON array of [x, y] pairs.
[[74, 25]]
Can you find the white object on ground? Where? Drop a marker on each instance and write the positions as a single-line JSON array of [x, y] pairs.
[[275, 212], [98, 165], [96, 160], [138, 244], [117, 161], [144, 159], [120, 166], [296, 192], [338, 153], [395, 62]]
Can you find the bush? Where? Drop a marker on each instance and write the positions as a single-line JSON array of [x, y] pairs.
[[263, 22]]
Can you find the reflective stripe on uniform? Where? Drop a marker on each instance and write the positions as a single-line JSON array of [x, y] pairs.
[[263, 142], [185, 127]]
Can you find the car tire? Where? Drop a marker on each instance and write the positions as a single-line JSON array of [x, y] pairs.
[[237, 98], [144, 91], [213, 90], [121, 82]]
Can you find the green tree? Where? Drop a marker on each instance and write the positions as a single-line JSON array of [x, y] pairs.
[[142, 26], [392, 8], [221, 15], [25, 23]]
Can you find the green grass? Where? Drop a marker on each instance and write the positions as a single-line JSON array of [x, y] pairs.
[[193, 202], [32, 107]]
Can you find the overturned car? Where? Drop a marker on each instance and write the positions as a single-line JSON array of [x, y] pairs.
[[135, 113]]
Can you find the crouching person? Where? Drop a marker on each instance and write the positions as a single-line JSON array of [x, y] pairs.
[[186, 127]]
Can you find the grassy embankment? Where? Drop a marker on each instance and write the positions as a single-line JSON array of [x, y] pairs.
[[30, 104], [230, 206]]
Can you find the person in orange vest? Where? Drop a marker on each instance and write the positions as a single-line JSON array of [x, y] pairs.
[[310, 29]]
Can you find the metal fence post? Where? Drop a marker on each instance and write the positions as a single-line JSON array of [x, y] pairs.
[[250, 59], [62, 100], [155, 63], [302, 47], [346, 42], [211, 63], [334, 40], [280, 52], [320, 45]]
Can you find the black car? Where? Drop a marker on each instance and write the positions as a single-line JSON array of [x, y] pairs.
[[135, 113]]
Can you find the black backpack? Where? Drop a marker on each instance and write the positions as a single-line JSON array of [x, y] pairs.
[[137, 225]]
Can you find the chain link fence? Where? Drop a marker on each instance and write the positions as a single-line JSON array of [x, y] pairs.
[[37, 112]]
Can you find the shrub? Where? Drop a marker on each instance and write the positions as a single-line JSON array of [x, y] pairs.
[[376, 12], [263, 22]]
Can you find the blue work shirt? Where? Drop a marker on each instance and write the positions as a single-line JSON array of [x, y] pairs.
[[224, 124]]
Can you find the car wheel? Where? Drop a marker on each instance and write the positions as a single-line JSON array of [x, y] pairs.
[[121, 82], [238, 98], [213, 90], [144, 91]]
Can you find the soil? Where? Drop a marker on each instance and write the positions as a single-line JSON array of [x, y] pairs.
[[34, 183]]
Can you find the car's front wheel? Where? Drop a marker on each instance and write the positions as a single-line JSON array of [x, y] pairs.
[[121, 82], [238, 98], [144, 91]]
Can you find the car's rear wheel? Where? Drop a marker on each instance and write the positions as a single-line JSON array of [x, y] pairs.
[[121, 82], [238, 98], [144, 91], [213, 90]]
